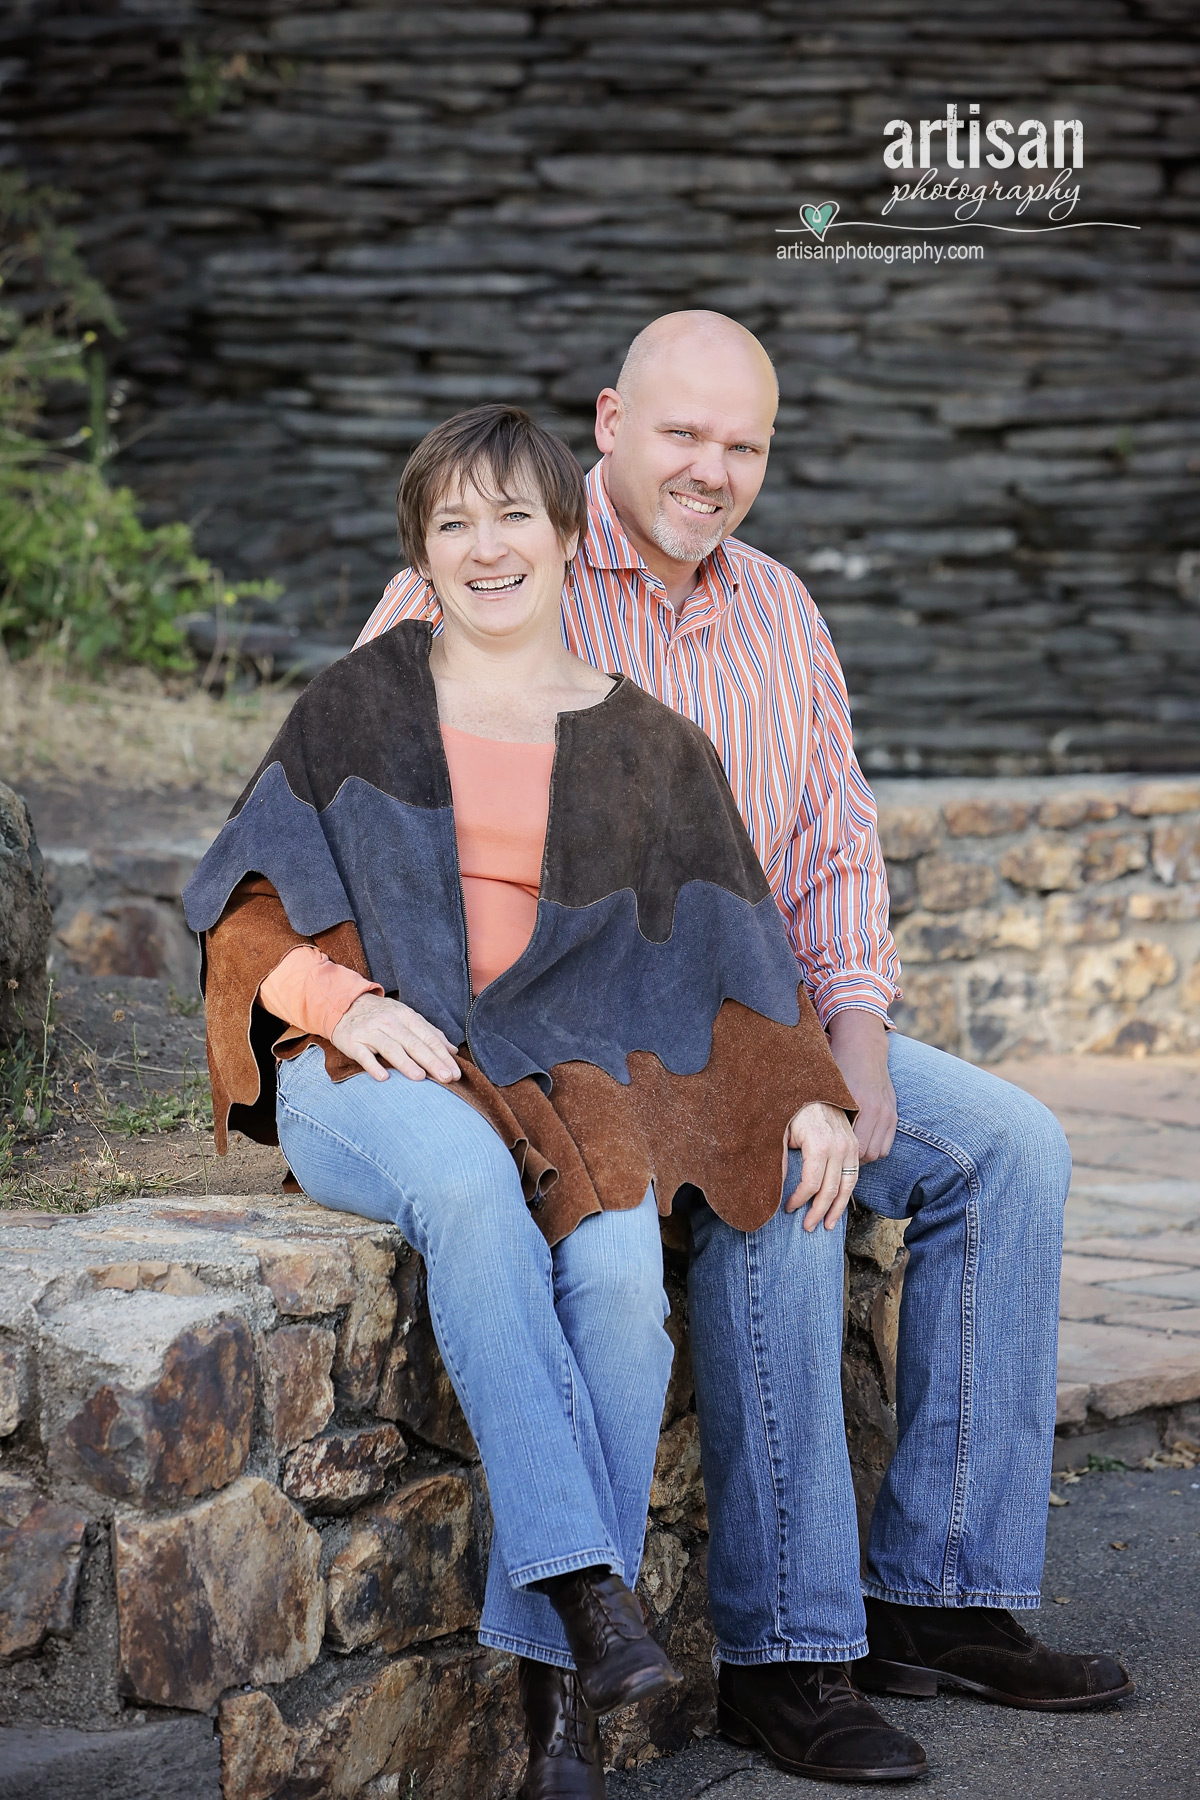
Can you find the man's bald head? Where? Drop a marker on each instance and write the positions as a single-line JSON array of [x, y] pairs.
[[685, 435], [695, 333]]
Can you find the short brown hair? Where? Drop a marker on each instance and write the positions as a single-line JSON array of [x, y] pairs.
[[487, 446]]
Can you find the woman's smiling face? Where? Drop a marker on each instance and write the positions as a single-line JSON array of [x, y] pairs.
[[495, 560]]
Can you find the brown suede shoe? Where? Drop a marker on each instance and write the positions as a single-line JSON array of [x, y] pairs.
[[616, 1658], [563, 1735], [810, 1721], [983, 1650]]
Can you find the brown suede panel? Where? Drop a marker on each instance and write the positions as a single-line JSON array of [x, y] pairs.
[[251, 938], [670, 819], [591, 1144]]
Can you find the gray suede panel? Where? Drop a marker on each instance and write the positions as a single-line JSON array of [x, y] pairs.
[[591, 988], [398, 861]]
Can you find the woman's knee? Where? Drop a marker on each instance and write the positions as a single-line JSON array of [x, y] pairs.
[[612, 1265]]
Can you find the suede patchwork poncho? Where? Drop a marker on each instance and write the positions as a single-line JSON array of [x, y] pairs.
[[655, 1027]]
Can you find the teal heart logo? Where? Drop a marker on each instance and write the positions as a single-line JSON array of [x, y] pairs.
[[819, 218]]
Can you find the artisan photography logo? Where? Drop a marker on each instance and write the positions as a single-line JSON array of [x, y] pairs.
[[1022, 179]]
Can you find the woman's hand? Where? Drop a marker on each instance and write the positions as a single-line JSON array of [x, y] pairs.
[[825, 1139], [375, 1031]]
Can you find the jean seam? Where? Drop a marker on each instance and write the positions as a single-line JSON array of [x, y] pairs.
[[962, 1463], [770, 1431], [789, 1651]]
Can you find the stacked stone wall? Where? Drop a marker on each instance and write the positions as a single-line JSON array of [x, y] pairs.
[[1046, 916], [329, 226], [235, 1484]]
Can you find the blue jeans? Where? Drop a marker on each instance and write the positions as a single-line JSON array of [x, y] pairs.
[[559, 1357], [982, 1171]]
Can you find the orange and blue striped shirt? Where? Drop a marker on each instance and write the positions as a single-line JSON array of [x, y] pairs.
[[750, 660]]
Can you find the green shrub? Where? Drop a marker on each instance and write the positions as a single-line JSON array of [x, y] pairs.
[[80, 574]]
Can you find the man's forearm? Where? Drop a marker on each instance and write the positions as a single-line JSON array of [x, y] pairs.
[[858, 1040]]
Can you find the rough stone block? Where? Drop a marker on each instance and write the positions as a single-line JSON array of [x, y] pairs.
[[1175, 852], [1180, 906], [681, 1387], [1110, 854], [41, 1545], [150, 1276], [928, 1009], [1063, 811], [1084, 918], [180, 1435], [297, 1392], [902, 889], [258, 1750], [344, 1466], [407, 1573], [172, 1759], [439, 1721], [1129, 971], [367, 1328], [306, 1279], [1152, 797], [226, 1593], [985, 818], [1017, 928], [1190, 994], [24, 921], [664, 1563], [908, 831], [15, 1370], [940, 937], [414, 1387], [677, 1490], [1044, 864], [948, 886], [125, 938]]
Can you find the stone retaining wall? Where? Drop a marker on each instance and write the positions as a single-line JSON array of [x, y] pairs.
[[235, 1482], [1051, 915], [329, 226]]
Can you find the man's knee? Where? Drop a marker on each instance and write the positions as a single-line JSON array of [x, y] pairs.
[[1033, 1144]]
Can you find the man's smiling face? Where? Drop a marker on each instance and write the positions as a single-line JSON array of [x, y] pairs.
[[686, 434]]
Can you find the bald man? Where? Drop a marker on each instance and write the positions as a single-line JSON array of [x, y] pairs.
[[663, 591]]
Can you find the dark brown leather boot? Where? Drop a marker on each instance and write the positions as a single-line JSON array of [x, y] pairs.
[[983, 1650], [616, 1658], [810, 1721], [563, 1734]]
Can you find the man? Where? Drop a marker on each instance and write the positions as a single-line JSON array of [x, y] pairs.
[[728, 636]]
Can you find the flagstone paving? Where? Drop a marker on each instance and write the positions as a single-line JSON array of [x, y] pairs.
[[1129, 1334]]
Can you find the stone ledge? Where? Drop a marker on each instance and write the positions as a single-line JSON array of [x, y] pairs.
[[242, 1404]]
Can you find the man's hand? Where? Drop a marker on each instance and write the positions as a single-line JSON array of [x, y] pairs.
[[825, 1139], [858, 1040], [375, 1031]]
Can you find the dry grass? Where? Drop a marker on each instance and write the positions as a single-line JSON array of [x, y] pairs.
[[133, 729]]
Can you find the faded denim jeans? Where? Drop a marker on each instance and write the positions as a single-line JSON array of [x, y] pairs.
[[982, 1171], [559, 1357]]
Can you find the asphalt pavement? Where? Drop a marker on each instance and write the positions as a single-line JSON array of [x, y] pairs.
[[1122, 1575]]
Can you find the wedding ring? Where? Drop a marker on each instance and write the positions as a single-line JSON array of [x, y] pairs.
[[853, 1171]]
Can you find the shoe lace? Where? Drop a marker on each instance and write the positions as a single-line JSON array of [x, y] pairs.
[[834, 1686]]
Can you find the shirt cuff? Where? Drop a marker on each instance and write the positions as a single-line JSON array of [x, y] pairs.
[[862, 993], [311, 993]]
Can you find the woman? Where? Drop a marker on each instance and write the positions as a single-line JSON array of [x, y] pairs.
[[489, 947]]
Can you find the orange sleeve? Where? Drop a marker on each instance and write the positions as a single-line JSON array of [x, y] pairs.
[[310, 992]]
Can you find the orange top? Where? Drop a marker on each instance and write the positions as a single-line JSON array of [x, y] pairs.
[[501, 804], [501, 798]]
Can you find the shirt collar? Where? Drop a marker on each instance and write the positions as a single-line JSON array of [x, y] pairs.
[[606, 546]]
